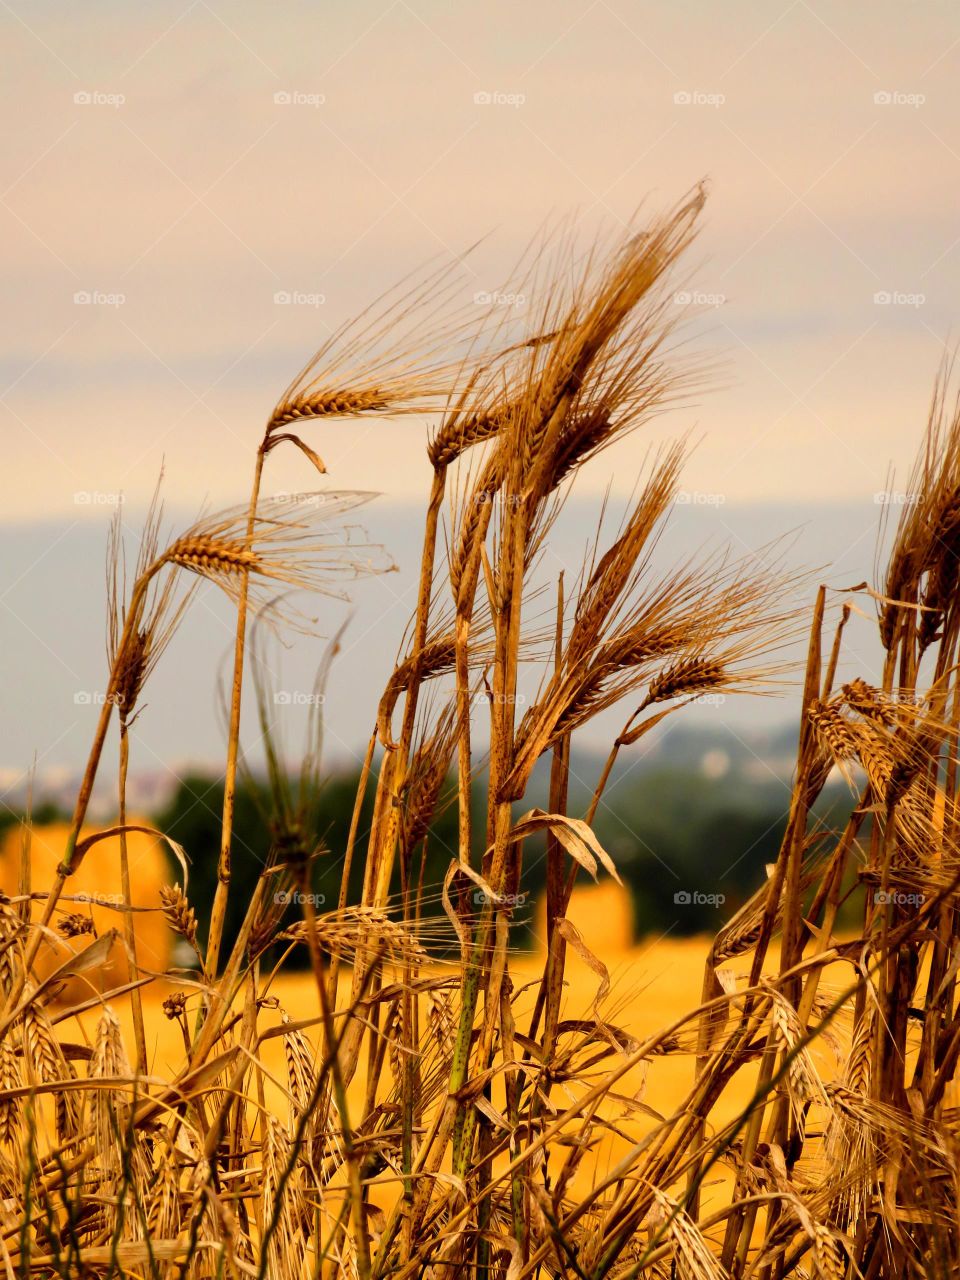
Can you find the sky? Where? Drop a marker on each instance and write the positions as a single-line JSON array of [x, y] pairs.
[[149, 165], [194, 195]]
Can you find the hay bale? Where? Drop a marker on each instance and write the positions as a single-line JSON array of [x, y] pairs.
[[99, 874], [602, 913]]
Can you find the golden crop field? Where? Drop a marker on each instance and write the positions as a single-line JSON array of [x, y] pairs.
[[380, 1081]]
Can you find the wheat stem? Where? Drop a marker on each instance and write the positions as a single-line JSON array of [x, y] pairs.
[[136, 1001], [218, 912]]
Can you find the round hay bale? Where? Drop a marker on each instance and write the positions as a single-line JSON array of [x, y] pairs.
[[98, 874]]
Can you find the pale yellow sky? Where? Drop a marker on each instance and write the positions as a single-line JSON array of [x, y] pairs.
[[184, 163]]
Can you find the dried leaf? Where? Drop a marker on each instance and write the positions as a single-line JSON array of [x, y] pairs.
[[576, 836], [570, 934]]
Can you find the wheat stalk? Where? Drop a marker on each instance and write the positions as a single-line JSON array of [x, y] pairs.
[[439, 1127]]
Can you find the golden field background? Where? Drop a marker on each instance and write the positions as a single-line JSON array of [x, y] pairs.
[[652, 983]]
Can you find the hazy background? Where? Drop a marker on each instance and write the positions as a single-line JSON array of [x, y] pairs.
[[195, 195]]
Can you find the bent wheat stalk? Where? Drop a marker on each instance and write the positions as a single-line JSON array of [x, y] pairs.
[[438, 1117]]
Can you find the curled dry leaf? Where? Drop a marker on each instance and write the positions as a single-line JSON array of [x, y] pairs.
[[576, 836]]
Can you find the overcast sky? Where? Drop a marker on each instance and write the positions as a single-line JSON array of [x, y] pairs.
[[195, 194], [147, 159]]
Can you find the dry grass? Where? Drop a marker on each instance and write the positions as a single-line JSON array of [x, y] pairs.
[[423, 1116]]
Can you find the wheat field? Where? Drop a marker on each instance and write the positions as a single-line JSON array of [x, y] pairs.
[[427, 1098]]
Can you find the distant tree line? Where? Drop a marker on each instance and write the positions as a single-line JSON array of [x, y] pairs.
[[690, 850], [714, 848]]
